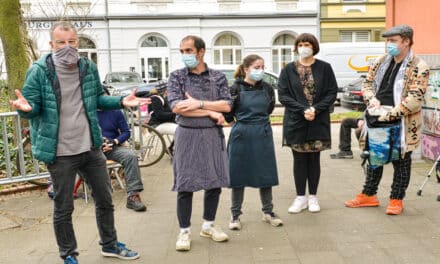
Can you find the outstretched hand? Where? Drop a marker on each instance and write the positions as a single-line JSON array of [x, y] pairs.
[[132, 101], [20, 103]]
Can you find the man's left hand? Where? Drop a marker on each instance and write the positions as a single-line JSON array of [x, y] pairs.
[[132, 101], [188, 104], [384, 118]]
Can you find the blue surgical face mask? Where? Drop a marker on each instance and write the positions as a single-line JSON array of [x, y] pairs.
[[256, 74], [190, 60], [393, 49]]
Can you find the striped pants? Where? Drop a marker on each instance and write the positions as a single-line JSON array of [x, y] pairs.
[[401, 177]]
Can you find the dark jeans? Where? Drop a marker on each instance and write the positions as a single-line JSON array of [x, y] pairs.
[[184, 206], [237, 196], [63, 171], [345, 133], [129, 161], [306, 169], [401, 177]]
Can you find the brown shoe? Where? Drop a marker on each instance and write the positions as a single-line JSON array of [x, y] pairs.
[[395, 207], [134, 202], [362, 200]]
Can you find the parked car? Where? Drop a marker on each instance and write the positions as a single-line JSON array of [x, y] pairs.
[[122, 83], [352, 97], [269, 77]]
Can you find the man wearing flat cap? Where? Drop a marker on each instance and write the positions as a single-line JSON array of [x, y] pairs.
[[398, 80]]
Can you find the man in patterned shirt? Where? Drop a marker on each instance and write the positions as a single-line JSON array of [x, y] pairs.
[[199, 96], [397, 79]]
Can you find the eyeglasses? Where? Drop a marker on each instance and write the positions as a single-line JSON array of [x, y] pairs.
[[70, 42]]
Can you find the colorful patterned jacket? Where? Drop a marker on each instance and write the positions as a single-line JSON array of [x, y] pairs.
[[415, 82]]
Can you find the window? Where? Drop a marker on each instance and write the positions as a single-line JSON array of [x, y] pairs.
[[354, 36], [282, 51], [227, 50], [154, 53], [153, 41], [87, 48]]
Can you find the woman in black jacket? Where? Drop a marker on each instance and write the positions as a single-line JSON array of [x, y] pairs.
[[307, 88], [161, 116]]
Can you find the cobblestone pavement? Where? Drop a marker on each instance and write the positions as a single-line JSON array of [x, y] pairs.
[[335, 235]]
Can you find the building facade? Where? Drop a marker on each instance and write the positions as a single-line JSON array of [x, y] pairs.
[[422, 16], [144, 35], [352, 20]]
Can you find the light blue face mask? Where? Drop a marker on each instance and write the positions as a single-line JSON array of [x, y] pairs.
[[392, 49], [256, 75], [190, 60]]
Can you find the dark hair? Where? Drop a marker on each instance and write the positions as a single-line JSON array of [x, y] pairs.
[[198, 42], [247, 62], [161, 87], [64, 25], [307, 37]]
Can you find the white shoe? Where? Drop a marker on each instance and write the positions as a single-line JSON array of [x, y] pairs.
[[235, 224], [272, 219], [313, 204], [215, 233], [183, 241], [299, 204]]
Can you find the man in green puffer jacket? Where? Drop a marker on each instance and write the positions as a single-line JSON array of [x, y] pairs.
[[60, 97]]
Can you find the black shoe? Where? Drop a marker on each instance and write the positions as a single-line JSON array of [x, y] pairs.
[[134, 202], [342, 155]]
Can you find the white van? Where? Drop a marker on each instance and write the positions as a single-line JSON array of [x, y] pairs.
[[350, 60]]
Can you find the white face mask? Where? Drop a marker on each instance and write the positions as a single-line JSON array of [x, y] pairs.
[[305, 52]]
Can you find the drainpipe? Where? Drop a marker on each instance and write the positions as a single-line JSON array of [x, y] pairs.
[[318, 32], [109, 43]]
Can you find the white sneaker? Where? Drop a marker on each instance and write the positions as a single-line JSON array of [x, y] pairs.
[[235, 224], [272, 219], [299, 204], [215, 233], [313, 204], [183, 241]]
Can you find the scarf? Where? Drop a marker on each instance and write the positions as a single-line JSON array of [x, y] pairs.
[[399, 82]]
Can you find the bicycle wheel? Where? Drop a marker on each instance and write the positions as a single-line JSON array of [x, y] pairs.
[[150, 146]]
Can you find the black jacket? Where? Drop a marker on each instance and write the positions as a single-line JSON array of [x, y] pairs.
[[296, 129], [161, 111]]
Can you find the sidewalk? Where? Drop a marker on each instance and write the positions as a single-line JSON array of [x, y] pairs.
[[335, 235]]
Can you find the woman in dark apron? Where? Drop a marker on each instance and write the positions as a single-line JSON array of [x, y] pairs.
[[251, 151]]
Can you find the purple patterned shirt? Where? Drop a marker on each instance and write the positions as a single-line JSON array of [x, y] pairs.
[[210, 85]]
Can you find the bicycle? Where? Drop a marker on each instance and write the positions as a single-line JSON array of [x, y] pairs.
[[149, 144]]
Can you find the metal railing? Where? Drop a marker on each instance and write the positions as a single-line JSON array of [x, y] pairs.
[[14, 168]]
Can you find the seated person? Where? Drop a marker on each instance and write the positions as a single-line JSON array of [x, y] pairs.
[[115, 130], [161, 117], [345, 137]]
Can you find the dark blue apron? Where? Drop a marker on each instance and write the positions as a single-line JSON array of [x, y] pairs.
[[250, 147]]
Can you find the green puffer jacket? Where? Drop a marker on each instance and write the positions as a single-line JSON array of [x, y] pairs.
[[42, 90]]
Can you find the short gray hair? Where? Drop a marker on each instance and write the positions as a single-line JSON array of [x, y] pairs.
[[64, 25]]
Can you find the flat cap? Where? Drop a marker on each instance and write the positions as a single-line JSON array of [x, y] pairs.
[[401, 30]]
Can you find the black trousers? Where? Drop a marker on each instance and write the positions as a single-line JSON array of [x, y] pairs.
[[345, 133], [401, 177], [184, 206], [306, 169]]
